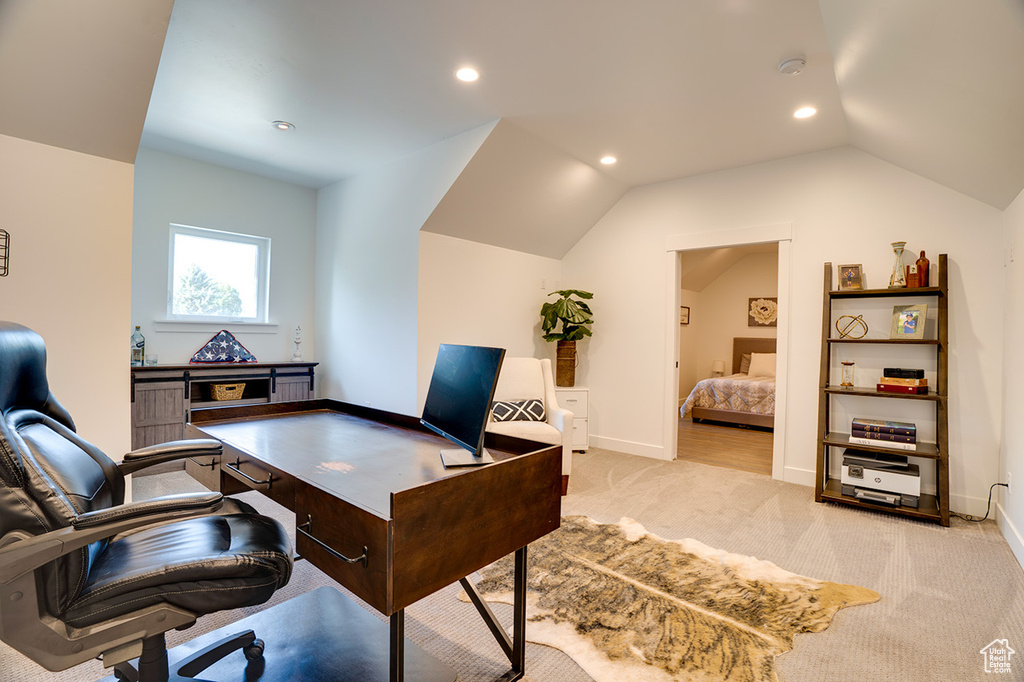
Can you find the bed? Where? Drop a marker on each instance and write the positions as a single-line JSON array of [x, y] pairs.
[[739, 398]]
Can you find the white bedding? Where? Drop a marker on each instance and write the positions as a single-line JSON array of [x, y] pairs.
[[739, 392]]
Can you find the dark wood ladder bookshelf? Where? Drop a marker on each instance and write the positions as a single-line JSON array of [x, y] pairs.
[[827, 488]]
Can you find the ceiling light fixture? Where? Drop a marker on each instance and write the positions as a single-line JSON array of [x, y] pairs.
[[793, 66], [467, 74], [608, 160], [805, 112], [283, 125]]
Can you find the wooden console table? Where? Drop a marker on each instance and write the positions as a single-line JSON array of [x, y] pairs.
[[164, 395]]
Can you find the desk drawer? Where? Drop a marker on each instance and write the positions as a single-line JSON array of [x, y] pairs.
[[205, 469], [347, 530], [252, 474]]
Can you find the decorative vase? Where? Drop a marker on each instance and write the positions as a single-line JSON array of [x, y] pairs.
[[898, 279], [565, 365]]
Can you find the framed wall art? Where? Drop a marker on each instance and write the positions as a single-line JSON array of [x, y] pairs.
[[763, 312]]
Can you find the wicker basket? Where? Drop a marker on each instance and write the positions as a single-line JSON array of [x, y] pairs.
[[227, 391]]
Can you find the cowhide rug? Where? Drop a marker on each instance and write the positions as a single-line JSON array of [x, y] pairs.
[[628, 605]]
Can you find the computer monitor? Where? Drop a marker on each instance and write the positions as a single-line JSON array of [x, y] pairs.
[[459, 398]]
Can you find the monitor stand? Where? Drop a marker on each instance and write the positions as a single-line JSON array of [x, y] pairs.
[[459, 457]]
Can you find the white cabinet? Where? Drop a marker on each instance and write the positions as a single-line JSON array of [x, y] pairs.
[[577, 401]]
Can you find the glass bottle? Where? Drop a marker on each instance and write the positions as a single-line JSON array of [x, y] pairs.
[[922, 269], [138, 347], [898, 279]]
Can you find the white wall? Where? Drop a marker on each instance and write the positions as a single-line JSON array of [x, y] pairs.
[[846, 207], [70, 220], [1011, 505], [718, 314], [476, 294], [172, 189], [367, 263]]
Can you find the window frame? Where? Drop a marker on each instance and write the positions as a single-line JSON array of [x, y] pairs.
[[262, 245]]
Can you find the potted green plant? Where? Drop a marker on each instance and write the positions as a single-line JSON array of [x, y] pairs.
[[566, 320]]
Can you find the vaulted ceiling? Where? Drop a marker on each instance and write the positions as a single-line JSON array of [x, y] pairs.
[[671, 88]]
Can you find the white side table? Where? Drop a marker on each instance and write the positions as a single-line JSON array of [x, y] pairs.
[[577, 401]]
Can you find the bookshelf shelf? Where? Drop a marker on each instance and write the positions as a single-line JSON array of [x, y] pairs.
[[832, 444]]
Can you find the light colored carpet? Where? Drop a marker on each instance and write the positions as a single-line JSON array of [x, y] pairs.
[[947, 592]]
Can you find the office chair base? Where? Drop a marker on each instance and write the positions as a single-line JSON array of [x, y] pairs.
[[152, 664]]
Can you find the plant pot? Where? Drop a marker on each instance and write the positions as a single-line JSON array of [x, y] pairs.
[[565, 364]]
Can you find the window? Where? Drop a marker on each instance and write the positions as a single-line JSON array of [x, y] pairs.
[[217, 276]]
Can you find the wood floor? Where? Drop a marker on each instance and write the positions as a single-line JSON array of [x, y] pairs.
[[725, 446]]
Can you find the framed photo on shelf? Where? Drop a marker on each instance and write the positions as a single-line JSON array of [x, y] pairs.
[[684, 314], [850, 277], [908, 321]]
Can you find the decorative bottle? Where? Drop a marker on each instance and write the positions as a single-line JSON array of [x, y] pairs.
[[138, 347], [922, 269]]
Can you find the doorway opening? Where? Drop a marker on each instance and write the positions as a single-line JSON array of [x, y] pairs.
[[730, 303]]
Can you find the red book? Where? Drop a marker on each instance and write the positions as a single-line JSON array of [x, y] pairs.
[[895, 388]]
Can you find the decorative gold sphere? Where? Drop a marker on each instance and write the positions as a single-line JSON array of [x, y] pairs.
[[852, 325]]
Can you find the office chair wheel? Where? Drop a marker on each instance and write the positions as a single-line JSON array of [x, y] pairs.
[[254, 651]]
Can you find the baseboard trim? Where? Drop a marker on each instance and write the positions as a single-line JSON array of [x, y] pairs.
[[629, 447], [1013, 536], [798, 476]]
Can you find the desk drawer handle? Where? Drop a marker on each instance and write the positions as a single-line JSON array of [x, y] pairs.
[[234, 466], [195, 461], [306, 530]]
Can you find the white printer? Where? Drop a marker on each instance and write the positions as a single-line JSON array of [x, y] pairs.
[[881, 478]]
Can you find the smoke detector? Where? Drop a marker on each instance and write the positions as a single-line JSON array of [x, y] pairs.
[[791, 67]]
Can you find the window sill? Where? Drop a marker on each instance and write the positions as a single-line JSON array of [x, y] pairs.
[[214, 327]]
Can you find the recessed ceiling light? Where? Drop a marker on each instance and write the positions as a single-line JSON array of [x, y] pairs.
[[805, 112], [467, 74], [608, 160], [283, 125]]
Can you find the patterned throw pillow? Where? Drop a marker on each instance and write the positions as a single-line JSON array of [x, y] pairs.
[[518, 410]]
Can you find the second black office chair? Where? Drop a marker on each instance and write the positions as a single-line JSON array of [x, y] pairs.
[[84, 575]]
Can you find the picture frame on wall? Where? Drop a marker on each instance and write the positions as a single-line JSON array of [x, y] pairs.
[[684, 314], [908, 321], [763, 312], [850, 277]]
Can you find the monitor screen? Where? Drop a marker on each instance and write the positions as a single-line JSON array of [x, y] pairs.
[[459, 399]]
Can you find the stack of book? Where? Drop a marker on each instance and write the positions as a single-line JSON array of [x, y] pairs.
[[900, 380], [885, 434]]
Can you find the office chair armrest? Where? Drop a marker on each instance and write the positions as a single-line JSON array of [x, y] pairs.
[[23, 553], [205, 501], [168, 452]]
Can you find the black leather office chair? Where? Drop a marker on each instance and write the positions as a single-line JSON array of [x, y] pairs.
[[84, 575]]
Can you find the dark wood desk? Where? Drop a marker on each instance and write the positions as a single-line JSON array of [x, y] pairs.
[[376, 510]]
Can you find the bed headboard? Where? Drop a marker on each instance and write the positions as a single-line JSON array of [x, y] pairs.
[[741, 345]]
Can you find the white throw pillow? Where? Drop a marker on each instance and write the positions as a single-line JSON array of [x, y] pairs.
[[762, 365]]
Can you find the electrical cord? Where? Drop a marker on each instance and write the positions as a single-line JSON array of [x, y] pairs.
[[974, 519]]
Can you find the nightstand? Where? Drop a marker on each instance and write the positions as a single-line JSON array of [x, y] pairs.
[[577, 401]]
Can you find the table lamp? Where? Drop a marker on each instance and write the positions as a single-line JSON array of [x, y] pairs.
[[717, 368]]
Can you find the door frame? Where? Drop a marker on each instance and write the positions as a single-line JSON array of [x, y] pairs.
[[780, 233]]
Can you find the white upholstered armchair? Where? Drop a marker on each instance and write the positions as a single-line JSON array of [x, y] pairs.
[[524, 379]]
